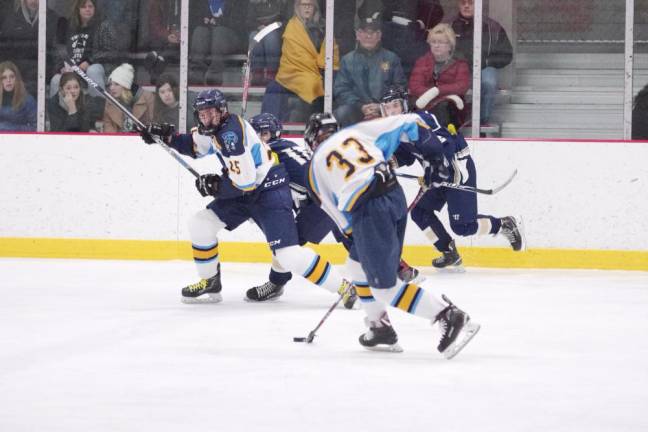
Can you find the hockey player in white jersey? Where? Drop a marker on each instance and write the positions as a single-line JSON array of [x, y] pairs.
[[352, 180], [253, 185]]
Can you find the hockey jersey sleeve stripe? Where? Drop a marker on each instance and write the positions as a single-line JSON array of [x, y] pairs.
[[407, 298], [357, 194], [256, 154]]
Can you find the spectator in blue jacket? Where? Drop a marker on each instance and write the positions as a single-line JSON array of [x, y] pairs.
[[17, 107], [365, 73]]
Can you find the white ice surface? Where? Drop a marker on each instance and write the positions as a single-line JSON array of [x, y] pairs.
[[107, 346]]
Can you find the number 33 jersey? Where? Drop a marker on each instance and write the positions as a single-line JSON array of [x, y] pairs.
[[342, 166]]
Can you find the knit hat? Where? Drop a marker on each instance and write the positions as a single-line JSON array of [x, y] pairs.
[[123, 75]]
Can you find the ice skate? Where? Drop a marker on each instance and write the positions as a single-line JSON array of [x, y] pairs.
[[267, 292], [204, 291], [513, 231], [450, 261], [409, 274], [349, 296], [380, 336], [457, 330]]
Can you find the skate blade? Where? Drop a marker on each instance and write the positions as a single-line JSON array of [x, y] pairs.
[[203, 299], [395, 348], [451, 269], [418, 280], [467, 333], [272, 299], [520, 224]]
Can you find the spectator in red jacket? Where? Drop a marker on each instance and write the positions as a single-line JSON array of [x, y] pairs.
[[439, 81]]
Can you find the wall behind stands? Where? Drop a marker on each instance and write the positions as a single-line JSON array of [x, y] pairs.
[[584, 204]]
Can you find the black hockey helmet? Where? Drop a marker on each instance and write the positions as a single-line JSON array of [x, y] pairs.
[[319, 124], [394, 93], [267, 122], [211, 98]]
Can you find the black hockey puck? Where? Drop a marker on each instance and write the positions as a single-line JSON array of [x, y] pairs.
[[299, 339]]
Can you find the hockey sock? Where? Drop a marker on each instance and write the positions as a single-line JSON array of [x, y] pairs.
[[203, 228], [279, 275], [373, 309], [410, 298], [488, 224], [304, 261]]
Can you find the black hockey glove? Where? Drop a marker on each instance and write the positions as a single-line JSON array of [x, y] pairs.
[[154, 131], [208, 184]]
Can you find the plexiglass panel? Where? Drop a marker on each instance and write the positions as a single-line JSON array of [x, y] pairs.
[[640, 72]]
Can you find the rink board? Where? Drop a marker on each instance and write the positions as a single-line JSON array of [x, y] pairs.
[[98, 196]]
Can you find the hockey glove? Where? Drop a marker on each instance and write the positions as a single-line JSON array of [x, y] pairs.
[[156, 131], [208, 184], [436, 172]]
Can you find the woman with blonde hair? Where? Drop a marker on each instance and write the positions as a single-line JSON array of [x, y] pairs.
[[439, 80], [302, 62], [17, 107], [139, 101]]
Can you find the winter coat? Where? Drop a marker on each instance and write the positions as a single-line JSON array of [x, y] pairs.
[[234, 14], [496, 46], [22, 119], [162, 16], [639, 123], [82, 121], [301, 65], [364, 76], [454, 77], [115, 121]]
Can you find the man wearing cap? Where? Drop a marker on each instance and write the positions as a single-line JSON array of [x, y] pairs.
[[364, 75]]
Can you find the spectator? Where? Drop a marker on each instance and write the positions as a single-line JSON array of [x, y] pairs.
[[215, 24], [89, 41], [167, 109], [640, 115], [364, 75], [70, 110], [405, 27], [266, 54], [123, 16], [17, 107], [19, 38], [139, 101], [439, 81], [301, 66], [497, 52], [164, 25]]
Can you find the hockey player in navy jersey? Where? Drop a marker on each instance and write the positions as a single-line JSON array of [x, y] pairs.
[[350, 176], [462, 206], [313, 224], [251, 185]]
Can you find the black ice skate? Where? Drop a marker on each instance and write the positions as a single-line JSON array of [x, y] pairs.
[[267, 291], [380, 336], [457, 330], [512, 230], [409, 274], [205, 291], [450, 261], [349, 295]]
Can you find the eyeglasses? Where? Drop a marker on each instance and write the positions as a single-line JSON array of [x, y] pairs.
[[439, 43], [307, 5], [369, 32]]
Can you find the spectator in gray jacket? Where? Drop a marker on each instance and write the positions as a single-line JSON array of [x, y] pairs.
[[364, 75], [497, 52]]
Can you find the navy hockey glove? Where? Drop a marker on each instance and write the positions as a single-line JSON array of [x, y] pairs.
[[154, 131], [438, 171], [208, 184]]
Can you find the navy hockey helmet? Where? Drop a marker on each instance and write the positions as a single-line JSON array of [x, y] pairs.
[[211, 98], [394, 93], [318, 124], [267, 122]]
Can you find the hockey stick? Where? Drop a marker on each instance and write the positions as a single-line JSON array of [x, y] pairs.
[[140, 126], [464, 188], [248, 64], [311, 335]]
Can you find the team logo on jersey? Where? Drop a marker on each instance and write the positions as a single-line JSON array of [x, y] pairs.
[[230, 139]]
